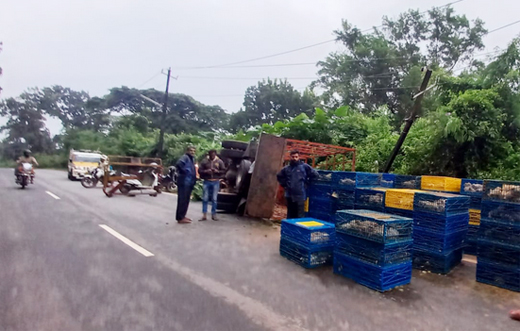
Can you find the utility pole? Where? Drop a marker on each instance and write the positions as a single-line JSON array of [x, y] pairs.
[[160, 145], [409, 121]]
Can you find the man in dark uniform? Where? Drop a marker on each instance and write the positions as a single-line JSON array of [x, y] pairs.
[[186, 179], [294, 179]]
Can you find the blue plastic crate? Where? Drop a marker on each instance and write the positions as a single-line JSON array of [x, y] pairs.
[[442, 224], [498, 275], [473, 231], [373, 252], [498, 231], [436, 263], [475, 203], [324, 206], [473, 187], [348, 180], [344, 199], [439, 243], [374, 226], [325, 217], [324, 178], [502, 191], [405, 181], [371, 198], [440, 203], [501, 211], [309, 231], [387, 180], [399, 212], [370, 275], [319, 191], [305, 256], [498, 252], [470, 247]]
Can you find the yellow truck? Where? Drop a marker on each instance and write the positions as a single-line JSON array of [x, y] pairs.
[[82, 162]]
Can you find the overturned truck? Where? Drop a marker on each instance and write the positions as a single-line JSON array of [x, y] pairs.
[[250, 186]]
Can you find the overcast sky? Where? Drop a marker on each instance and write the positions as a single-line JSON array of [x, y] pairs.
[[94, 45]]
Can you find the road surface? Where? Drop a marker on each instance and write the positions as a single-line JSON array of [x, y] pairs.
[[73, 259]]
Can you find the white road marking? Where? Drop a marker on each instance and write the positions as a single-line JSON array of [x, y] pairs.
[[53, 195], [126, 240]]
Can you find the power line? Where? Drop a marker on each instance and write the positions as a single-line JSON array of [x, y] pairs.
[[296, 49], [242, 78], [153, 77], [503, 27]]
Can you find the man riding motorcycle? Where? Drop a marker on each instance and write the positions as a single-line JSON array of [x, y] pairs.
[[26, 158]]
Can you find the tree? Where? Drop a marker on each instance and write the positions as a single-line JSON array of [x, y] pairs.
[[271, 101], [76, 110], [383, 68], [185, 114], [25, 126]]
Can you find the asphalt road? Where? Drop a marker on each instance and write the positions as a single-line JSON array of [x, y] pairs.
[[60, 269]]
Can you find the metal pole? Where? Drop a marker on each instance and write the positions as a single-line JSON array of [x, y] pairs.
[[409, 120], [160, 145]]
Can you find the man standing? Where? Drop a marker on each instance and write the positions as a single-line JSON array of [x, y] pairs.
[[185, 182], [294, 179], [212, 169]]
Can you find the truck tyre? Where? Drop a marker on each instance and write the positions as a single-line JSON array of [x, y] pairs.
[[232, 153], [227, 202], [233, 144]]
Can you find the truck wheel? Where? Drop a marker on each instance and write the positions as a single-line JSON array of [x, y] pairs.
[[234, 144], [232, 153], [70, 176]]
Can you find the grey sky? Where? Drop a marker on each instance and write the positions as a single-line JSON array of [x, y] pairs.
[[98, 44]]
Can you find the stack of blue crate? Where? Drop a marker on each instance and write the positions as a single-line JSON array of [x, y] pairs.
[[321, 203], [474, 189], [499, 235], [345, 184], [372, 198], [387, 180], [307, 242], [440, 228], [406, 181], [374, 249]]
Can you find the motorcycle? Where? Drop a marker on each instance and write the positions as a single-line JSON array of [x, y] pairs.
[[149, 180], [95, 176], [169, 182], [24, 175]]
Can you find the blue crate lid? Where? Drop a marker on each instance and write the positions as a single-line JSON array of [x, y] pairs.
[[379, 216], [309, 223]]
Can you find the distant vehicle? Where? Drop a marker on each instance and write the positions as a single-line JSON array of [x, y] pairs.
[[24, 174], [82, 162]]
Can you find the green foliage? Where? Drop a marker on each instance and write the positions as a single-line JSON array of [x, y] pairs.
[[52, 161], [198, 191], [176, 145], [25, 126], [382, 68], [271, 101]]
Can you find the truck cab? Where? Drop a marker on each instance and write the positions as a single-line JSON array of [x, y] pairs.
[[82, 162]]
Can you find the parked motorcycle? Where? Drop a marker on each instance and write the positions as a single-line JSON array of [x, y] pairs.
[[149, 180], [95, 176], [169, 182], [24, 175]]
